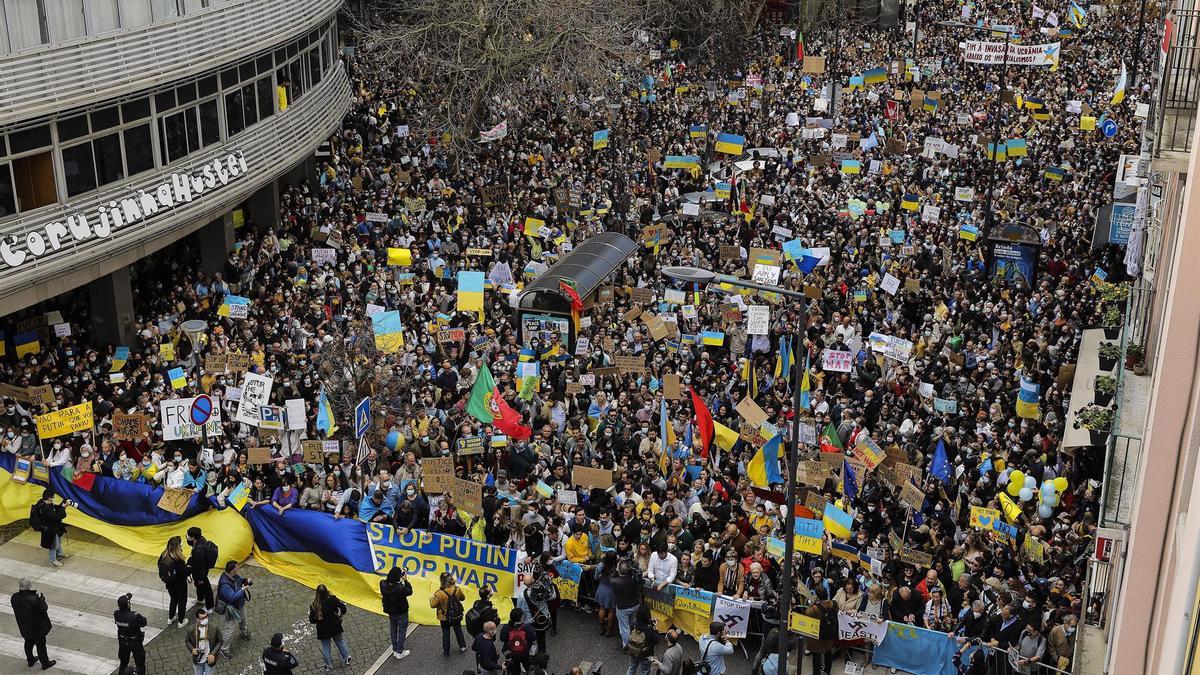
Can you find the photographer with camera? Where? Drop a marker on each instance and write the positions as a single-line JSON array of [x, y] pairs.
[[46, 518], [33, 622], [204, 641], [233, 592], [395, 590], [129, 635], [539, 592]]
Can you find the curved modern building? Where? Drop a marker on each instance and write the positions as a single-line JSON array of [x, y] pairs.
[[128, 124]]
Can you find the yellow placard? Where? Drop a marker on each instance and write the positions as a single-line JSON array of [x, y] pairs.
[[65, 421], [805, 625], [808, 544], [167, 351], [983, 518]]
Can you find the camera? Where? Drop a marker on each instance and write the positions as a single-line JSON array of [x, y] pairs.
[[247, 582], [71, 503]]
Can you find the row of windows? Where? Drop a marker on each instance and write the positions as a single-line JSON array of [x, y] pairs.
[[29, 23], [102, 146]]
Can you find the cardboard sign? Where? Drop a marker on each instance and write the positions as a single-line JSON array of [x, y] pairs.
[[313, 451], [630, 364], [586, 476], [215, 363], [237, 362], [752, 412], [175, 501], [813, 64], [671, 387], [641, 295], [481, 252], [730, 252], [573, 388], [130, 427], [912, 495], [918, 558], [451, 335], [258, 455], [467, 496], [437, 474]]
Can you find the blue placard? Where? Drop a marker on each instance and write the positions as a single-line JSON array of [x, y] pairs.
[[362, 417], [1120, 223]]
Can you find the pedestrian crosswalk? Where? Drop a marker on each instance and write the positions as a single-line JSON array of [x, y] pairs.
[[82, 595]]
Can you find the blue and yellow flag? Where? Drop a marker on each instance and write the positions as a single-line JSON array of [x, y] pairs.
[[875, 75], [600, 139], [697, 131], [1016, 147], [326, 423], [389, 335], [730, 144], [763, 468], [712, 338], [119, 359], [805, 386], [27, 343], [178, 379], [910, 202], [1028, 398], [470, 292]]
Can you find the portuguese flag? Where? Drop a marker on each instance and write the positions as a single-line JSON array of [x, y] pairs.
[[829, 441], [487, 406]]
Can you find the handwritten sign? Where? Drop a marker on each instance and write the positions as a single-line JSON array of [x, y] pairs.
[[175, 500], [437, 474], [467, 496], [130, 427], [758, 320], [837, 361]]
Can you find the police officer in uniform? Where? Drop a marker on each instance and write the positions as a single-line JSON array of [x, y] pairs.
[[130, 635], [276, 659]]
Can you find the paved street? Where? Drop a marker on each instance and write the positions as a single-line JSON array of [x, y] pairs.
[[82, 596]]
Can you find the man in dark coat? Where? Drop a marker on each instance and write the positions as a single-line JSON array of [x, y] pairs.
[[47, 518], [33, 620]]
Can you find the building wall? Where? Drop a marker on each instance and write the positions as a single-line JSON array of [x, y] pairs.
[[1154, 610]]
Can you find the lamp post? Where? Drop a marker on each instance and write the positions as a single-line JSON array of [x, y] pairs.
[[193, 329], [698, 275], [996, 126]]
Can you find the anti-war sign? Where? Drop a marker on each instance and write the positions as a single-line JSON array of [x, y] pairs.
[[175, 416], [426, 555], [978, 51]]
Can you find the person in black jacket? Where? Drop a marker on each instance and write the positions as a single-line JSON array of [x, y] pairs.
[[481, 612], [33, 620], [277, 660], [395, 590], [484, 646], [515, 639], [1005, 629], [203, 559], [326, 612], [173, 570], [129, 635], [47, 518], [627, 593], [973, 624]]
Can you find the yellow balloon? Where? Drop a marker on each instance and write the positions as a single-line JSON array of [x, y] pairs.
[[1017, 477], [999, 465], [1014, 488], [1060, 484]]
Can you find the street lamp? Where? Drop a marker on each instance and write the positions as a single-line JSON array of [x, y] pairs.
[[697, 275], [194, 329], [987, 216]]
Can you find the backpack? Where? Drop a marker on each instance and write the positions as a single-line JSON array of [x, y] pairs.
[[702, 668], [518, 641], [210, 555], [474, 618], [639, 643], [454, 607], [687, 666], [35, 518]]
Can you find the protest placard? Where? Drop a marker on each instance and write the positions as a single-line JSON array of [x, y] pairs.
[[437, 474], [587, 477], [467, 496], [175, 500]]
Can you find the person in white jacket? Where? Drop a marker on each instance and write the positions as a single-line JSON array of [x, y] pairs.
[[714, 647], [663, 567]]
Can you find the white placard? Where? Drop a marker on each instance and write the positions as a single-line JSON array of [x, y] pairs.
[[838, 141], [851, 627], [930, 213], [690, 209], [233, 393], [582, 345], [297, 418], [372, 310], [175, 416], [926, 390], [588, 379], [769, 200], [837, 361], [62, 330], [735, 614], [569, 497], [792, 120], [964, 194], [376, 217], [674, 296], [890, 284], [808, 433], [821, 104], [256, 389], [766, 274], [323, 256], [239, 311], [758, 320]]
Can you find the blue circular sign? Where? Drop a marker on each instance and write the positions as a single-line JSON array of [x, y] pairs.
[[201, 410], [1109, 128]]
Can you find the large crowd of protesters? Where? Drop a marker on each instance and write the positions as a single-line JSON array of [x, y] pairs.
[[973, 336]]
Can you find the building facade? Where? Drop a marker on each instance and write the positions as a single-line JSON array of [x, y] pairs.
[[128, 124]]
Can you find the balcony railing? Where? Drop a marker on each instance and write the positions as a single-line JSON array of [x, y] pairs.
[[1179, 86]]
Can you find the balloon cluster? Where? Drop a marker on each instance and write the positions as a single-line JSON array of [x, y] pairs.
[[1025, 488]]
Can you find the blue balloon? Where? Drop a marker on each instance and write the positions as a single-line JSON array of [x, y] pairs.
[[1030, 482], [1026, 494], [1048, 488], [1045, 511], [393, 440]]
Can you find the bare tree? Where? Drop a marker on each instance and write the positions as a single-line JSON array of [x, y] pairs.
[[351, 366], [478, 60]]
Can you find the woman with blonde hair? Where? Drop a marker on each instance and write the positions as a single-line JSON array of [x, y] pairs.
[[173, 570]]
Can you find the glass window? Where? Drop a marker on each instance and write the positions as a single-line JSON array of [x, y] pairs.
[[229, 78], [247, 71], [264, 63], [135, 13], [29, 139], [33, 180], [101, 16], [210, 126], [72, 128], [193, 5], [266, 98], [139, 154], [65, 19], [173, 137], [105, 119], [79, 168], [297, 74], [164, 9], [164, 100], [193, 130], [8, 197], [107, 151], [135, 110], [207, 86], [233, 112], [314, 67], [26, 27], [186, 93], [249, 109]]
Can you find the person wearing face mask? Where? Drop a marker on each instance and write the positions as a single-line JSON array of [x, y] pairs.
[[1062, 643], [285, 497], [205, 641]]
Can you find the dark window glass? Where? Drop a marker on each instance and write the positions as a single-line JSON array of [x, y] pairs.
[[280, 56], [186, 93], [193, 130], [29, 139], [164, 101], [264, 64], [210, 127], [72, 128], [105, 119], [174, 137], [249, 107], [208, 86], [314, 67], [297, 72], [229, 78], [139, 155], [107, 150], [292, 50], [8, 197], [247, 71], [266, 96], [233, 112], [135, 110], [3, 147], [79, 169]]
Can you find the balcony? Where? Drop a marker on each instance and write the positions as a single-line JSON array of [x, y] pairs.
[[47, 79], [268, 149], [1178, 93]]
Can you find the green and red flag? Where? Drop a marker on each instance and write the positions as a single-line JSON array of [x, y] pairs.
[[488, 406]]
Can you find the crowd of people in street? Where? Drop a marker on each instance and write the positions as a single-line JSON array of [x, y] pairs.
[[685, 508]]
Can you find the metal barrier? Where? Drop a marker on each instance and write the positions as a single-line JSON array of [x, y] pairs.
[[1179, 86]]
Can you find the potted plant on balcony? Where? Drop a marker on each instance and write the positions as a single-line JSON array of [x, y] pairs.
[[1135, 356], [1105, 387], [1111, 321], [1113, 294], [1097, 419], [1109, 352]]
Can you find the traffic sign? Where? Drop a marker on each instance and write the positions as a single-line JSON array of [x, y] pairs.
[[362, 417], [201, 410], [1109, 128]]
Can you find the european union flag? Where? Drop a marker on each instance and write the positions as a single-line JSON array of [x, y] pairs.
[[939, 468]]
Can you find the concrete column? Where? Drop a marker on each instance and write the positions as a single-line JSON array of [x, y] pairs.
[[263, 206], [112, 308], [216, 241]]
